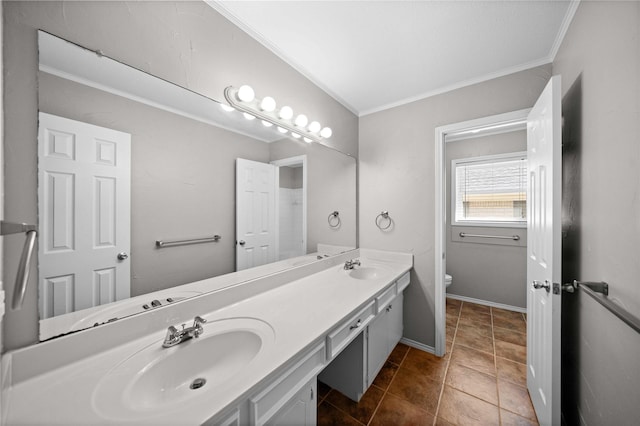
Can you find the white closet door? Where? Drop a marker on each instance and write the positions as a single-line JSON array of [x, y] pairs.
[[255, 213], [84, 215], [544, 248]]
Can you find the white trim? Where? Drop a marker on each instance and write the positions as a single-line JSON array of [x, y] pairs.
[[418, 345], [487, 303], [439, 213], [251, 32], [458, 85], [564, 27]]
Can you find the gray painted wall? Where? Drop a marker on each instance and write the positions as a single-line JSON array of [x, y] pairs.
[[291, 177], [397, 151], [599, 61], [485, 269], [185, 42]]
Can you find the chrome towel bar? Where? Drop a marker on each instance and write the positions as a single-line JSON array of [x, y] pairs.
[[500, 237], [163, 244], [22, 276], [599, 291]]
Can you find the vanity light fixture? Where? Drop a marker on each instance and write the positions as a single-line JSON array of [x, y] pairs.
[[243, 99], [246, 94], [268, 104], [301, 120]]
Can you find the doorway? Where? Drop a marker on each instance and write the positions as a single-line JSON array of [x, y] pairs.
[[454, 132], [291, 207]]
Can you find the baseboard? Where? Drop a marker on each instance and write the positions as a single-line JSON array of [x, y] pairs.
[[418, 345], [487, 303]]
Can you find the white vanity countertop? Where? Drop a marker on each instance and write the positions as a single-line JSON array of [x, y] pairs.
[[300, 313]]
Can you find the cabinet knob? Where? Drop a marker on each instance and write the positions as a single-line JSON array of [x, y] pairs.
[[357, 325]]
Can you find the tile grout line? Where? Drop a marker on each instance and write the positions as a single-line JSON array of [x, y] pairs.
[[387, 389]]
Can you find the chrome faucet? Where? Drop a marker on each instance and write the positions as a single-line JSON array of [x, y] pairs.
[[350, 264], [175, 336]]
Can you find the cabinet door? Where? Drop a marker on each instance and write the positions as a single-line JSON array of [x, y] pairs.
[[394, 310], [384, 334], [378, 346], [300, 410]]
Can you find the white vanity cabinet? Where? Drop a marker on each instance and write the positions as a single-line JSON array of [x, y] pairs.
[[290, 399], [384, 333], [355, 368], [300, 410]]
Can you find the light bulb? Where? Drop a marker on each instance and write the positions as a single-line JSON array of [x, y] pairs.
[[314, 127], [286, 113], [248, 116], [301, 120], [326, 132], [295, 135], [246, 93], [268, 104], [282, 129], [307, 140], [227, 107], [266, 123]]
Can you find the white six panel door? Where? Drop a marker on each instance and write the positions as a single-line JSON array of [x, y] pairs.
[[255, 213], [84, 215], [544, 253]]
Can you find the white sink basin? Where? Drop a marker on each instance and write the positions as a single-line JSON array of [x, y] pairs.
[[367, 272], [156, 378]]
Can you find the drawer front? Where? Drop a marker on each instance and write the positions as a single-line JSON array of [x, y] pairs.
[[383, 300], [267, 402], [403, 282], [342, 335]]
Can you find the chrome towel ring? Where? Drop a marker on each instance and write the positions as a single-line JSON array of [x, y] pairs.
[[385, 216], [334, 219]]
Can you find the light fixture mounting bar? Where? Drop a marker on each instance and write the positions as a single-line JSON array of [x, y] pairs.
[[253, 108]]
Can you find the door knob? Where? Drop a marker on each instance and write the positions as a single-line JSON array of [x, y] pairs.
[[538, 285], [241, 242], [123, 256]]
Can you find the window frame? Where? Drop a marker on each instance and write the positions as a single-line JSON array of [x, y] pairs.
[[510, 156]]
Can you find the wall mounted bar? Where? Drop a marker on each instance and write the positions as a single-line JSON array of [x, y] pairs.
[[599, 291], [174, 243], [22, 276], [499, 237]]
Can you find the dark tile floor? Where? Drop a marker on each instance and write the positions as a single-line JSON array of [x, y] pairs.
[[480, 381]]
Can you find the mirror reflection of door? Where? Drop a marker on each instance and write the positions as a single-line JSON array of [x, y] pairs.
[[84, 215], [255, 213]]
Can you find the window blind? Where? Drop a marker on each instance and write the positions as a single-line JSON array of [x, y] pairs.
[[492, 189]]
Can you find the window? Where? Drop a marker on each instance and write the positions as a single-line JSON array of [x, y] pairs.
[[490, 190]]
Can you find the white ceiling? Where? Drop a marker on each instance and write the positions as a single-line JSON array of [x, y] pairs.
[[373, 55]]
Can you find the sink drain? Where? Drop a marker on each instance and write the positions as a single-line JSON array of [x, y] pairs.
[[198, 383]]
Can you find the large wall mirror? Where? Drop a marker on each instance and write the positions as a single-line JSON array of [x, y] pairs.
[[143, 187]]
